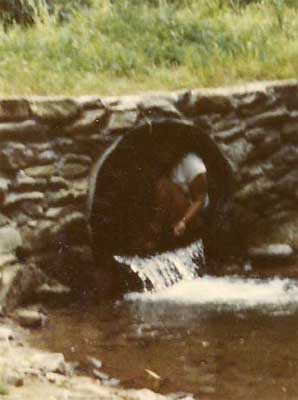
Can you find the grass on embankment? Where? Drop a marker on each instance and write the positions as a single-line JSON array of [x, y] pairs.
[[131, 46], [3, 390]]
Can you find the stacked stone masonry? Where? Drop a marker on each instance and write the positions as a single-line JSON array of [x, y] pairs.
[[48, 145]]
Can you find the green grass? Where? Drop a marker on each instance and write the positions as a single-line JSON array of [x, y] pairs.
[[129, 46], [3, 390]]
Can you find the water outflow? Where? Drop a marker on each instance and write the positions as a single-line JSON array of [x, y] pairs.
[[163, 270], [227, 293]]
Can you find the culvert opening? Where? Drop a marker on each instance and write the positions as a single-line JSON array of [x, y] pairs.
[[123, 190]]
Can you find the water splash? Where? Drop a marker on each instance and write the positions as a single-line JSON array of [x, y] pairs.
[[166, 269], [229, 292]]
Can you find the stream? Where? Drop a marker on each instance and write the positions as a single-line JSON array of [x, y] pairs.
[[221, 338]]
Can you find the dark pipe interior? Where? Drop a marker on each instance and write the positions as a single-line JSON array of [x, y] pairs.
[[122, 203]]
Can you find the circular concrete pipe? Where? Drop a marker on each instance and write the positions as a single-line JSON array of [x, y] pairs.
[[122, 182]]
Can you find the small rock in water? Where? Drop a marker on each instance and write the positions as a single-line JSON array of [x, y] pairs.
[[112, 382], [55, 378], [105, 379], [30, 318], [100, 375], [94, 362], [273, 253], [247, 267], [56, 289]]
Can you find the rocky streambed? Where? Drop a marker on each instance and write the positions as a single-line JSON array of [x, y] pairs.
[[27, 373], [224, 337]]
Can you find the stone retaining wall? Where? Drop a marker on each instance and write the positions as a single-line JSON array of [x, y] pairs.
[[48, 145]]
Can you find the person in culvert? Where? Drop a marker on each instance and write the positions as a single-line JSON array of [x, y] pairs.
[[181, 199]]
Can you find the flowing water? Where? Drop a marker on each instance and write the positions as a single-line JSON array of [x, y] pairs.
[[221, 338], [166, 269]]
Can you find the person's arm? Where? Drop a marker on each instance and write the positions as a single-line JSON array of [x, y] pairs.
[[199, 190]]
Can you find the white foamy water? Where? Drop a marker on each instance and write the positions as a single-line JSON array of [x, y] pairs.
[[228, 291], [164, 270]]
